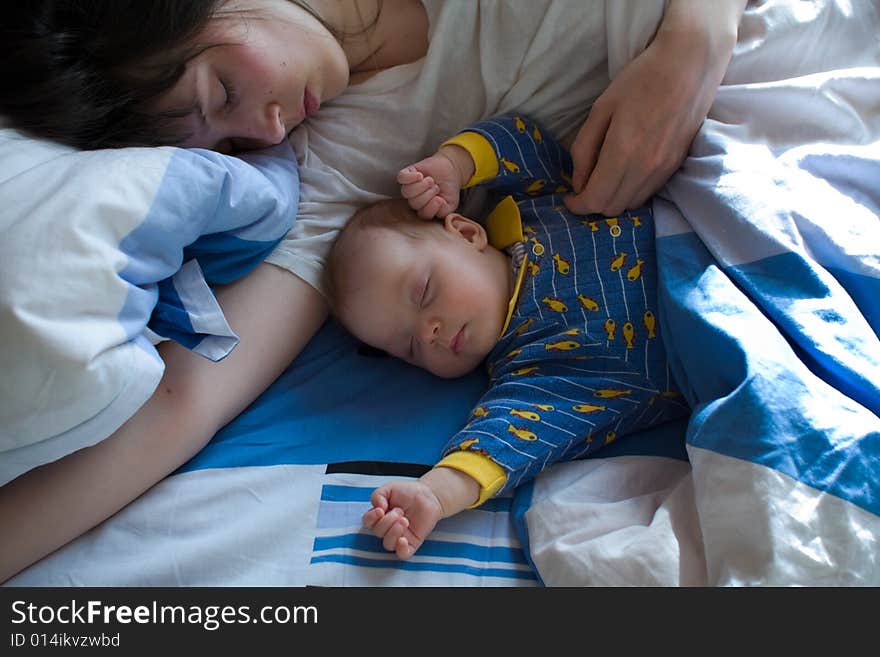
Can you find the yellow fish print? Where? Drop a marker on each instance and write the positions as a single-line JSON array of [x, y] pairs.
[[649, 322], [587, 408], [536, 186], [522, 328], [588, 303], [610, 328], [562, 345], [611, 393], [629, 333], [562, 265], [522, 434], [511, 166], [555, 304], [524, 370], [520, 124], [617, 263], [635, 271], [526, 415]]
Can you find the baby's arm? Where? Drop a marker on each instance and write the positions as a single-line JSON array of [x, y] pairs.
[[508, 154], [405, 512]]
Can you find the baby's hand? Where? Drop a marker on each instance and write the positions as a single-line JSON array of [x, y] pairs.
[[403, 514], [431, 186]]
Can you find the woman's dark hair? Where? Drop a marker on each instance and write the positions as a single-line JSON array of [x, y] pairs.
[[80, 72]]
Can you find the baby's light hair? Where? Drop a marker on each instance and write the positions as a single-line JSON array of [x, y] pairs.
[[390, 214]]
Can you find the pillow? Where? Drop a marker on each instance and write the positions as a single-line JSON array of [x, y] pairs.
[[94, 243]]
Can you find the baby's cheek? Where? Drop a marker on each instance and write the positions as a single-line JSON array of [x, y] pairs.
[[452, 368], [436, 366]]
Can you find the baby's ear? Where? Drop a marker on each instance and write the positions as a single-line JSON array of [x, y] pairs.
[[470, 230]]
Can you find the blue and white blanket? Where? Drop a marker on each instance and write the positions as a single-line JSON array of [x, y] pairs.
[[768, 240], [104, 252], [769, 259]]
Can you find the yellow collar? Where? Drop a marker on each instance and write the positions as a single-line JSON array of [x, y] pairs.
[[504, 224], [504, 228]]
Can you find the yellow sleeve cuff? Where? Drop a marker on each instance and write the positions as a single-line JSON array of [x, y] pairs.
[[485, 161], [487, 473]]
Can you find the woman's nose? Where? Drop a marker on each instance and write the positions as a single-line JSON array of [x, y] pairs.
[[257, 128], [272, 127]]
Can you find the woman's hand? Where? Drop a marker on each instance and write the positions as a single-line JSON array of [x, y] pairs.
[[640, 129]]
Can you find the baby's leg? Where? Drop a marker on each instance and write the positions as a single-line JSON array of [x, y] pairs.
[[275, 314]]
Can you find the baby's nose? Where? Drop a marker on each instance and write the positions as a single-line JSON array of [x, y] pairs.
[[430, 331]]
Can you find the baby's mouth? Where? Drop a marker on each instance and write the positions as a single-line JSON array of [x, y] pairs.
[[457, 342]]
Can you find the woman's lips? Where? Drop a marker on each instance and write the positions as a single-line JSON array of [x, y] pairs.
[[310, 103]]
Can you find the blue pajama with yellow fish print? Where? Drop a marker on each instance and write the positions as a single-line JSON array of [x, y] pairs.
[[581, 362]]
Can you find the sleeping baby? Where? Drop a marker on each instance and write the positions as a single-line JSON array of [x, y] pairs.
[[560, 307]]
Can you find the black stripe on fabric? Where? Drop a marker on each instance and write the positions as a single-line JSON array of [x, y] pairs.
[[381, 468]]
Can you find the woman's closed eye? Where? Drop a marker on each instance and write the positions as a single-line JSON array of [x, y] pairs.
[[231, 97]]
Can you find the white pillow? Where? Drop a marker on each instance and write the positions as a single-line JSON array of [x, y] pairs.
[[86, 238]]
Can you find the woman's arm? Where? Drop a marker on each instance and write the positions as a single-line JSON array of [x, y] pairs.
[[640, 129], [275, 314]]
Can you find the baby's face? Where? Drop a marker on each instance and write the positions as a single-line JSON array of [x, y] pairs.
[[437, 301]]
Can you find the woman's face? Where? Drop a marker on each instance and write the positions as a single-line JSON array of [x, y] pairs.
[[267, 66]]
